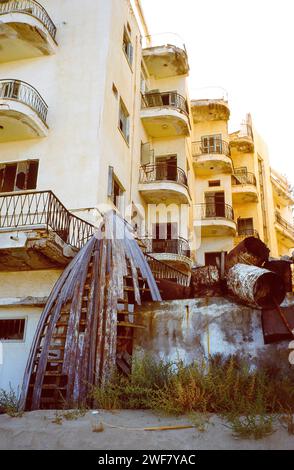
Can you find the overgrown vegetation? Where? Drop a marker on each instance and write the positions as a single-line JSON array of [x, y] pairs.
[[227, 387], [9, 403]]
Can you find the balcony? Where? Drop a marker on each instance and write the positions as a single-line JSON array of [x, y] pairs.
[[285, 231], [163, 183], [23, 112], [26, 30], [165, 56], [215, 220], [175, 252], [38, 232], [283, 191], [165, 114], [244, 187], [245, 233], [210, 110], [212, 159], [243, 140]]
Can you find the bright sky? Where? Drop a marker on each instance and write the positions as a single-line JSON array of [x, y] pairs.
[[246, 47]]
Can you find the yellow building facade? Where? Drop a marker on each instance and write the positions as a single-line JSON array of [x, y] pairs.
[[95, 114]]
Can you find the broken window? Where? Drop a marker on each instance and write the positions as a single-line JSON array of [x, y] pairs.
[[12, 329], [128, 47], [18, 176], [124, 121], [115, 189]]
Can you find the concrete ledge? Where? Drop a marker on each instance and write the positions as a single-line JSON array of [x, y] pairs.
[[23, 301]]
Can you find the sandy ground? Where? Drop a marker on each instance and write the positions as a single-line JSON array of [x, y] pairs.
[[36, 431]]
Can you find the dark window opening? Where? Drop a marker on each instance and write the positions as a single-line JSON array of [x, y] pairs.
[[213, 259], [245, 226], [18, 176], [215, 204], [214, 183], [12, 329]]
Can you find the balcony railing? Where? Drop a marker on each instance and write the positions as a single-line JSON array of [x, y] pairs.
[[164, 99], [286, 225], [161, 270], [247, 232], [24, 93], [220, 147], [241, 178], [177, 246], [23, 209], [164, 39], [29, 7], [162, 172], [214, 211]]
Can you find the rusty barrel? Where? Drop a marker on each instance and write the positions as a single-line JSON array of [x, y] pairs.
[[256, 286], [250, 251], [283, 268]]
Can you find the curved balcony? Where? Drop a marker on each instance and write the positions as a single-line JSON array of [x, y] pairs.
[[38, 232], [208, 160], [283, 192], [165, 114], [285, 231], [243, 140], [244, 187], [215, 219], [175, 252], [210, 110], [23, 112], [165, 55], [26, 30], [163, 183]]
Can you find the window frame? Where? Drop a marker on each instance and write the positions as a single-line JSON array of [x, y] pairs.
[[128, 47], [19, 341], [126, 133]]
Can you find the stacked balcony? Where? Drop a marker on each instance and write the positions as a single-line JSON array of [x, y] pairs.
[[165, 114], [26, 30], [212, 159], [23, 112], [210, 110], [285, 231], [283, 191], [243, 140], [215, 219], [175, 252], [163, 183], [244, 188], [165, 56]]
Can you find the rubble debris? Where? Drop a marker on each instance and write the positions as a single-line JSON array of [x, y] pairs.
[[75, 345], [256, 286], [205, 282], [251, 251]]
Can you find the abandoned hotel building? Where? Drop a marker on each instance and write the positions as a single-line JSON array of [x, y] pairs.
[[95, 114]]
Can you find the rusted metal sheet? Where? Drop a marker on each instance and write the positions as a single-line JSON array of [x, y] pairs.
[[75, 344], [251, 251], [256, 286], [205, 281], [283, 269], [274, 329]]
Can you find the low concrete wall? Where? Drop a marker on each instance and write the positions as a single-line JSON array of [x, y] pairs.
[[193, 329]]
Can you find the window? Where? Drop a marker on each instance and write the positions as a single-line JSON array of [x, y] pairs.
[[245, 226], [214, 259], [127, 47], [12, 329], [215, 204], [214, 183], [18, 176], [212, 144], [124, 121], [115, 189]]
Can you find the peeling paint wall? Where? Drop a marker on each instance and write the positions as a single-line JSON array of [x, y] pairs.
[[192, 329]]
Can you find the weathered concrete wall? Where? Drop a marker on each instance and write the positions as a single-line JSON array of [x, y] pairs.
[[192, 329]]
